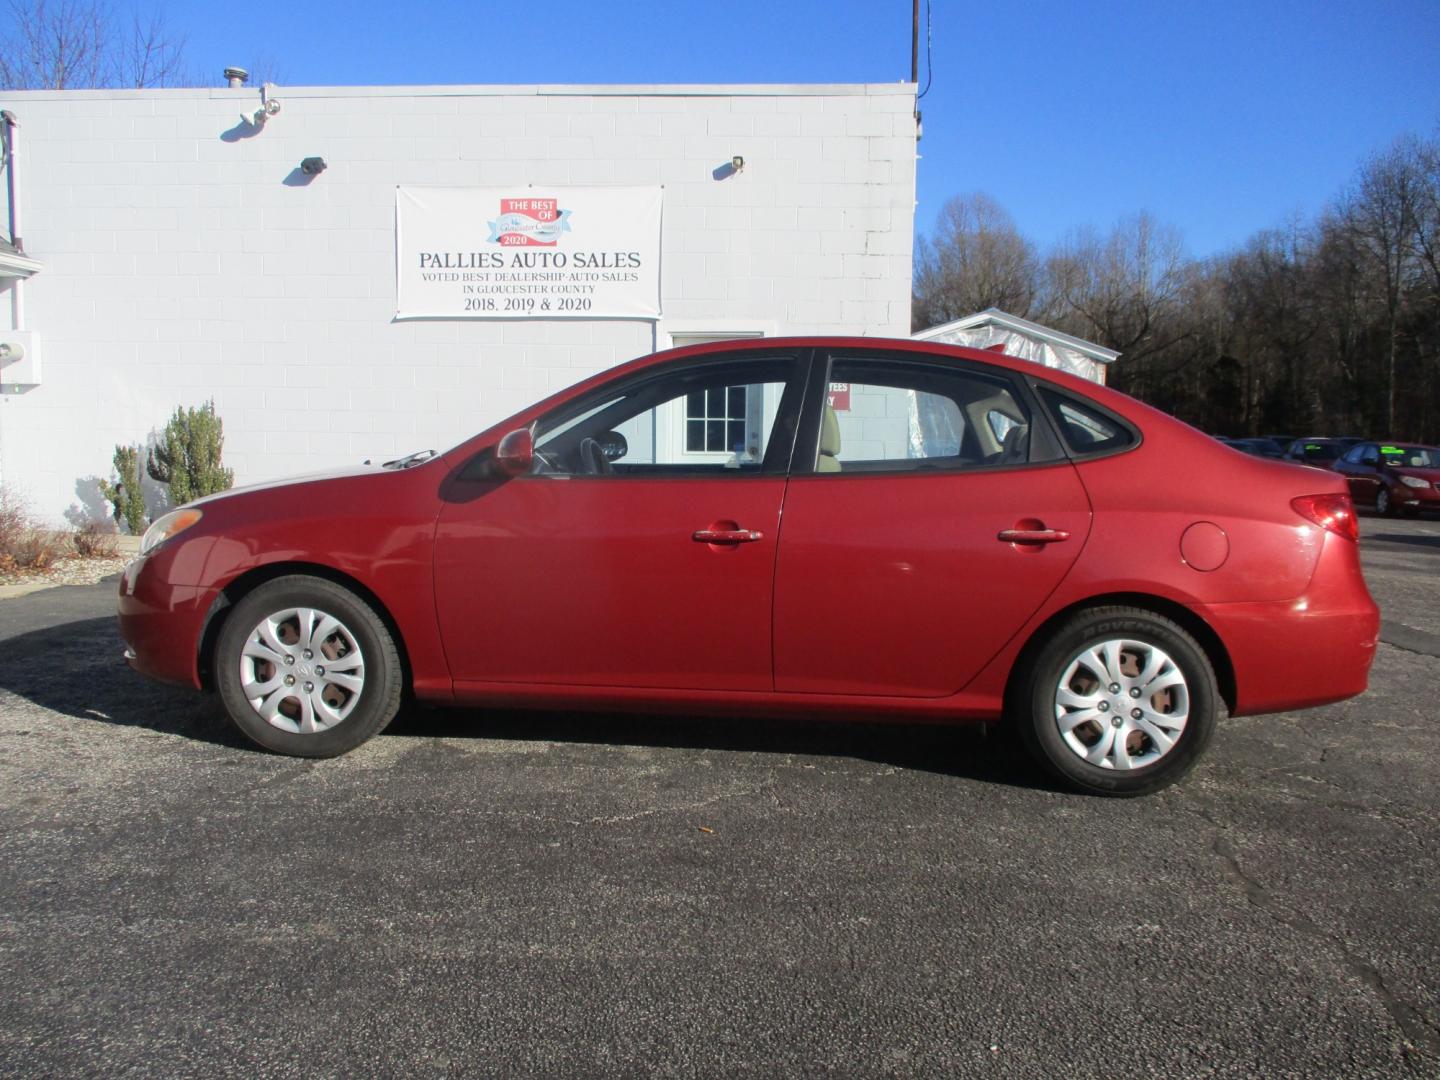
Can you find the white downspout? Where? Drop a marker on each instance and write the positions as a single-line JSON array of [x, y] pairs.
[[17, 291], [12, 178]]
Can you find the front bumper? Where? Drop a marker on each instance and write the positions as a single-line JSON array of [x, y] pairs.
[[1426, 498], [161, 623]]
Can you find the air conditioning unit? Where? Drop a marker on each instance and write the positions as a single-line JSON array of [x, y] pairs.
[[19, 360]]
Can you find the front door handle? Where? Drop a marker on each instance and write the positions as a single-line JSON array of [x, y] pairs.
[[726, 536], [1033, 536]]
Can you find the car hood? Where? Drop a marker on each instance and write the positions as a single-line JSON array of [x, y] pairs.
[[291, 481], [1431, 476]]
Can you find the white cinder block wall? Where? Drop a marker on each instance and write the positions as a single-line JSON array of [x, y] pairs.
[[180, 265]]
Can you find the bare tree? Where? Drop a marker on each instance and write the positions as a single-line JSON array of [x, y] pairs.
[[150, 53], [79, 44], [1122, 289], [1381, 214], [977, 259], [1269, 291], [1325, 327]]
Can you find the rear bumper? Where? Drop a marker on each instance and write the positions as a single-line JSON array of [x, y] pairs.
[[161, 623], [1312, 650], [1287, 658]]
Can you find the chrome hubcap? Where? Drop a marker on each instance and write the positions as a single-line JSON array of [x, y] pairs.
[[302, 670], [1122, 704]]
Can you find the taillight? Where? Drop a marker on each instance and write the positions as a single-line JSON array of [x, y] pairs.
[[1334, 511]]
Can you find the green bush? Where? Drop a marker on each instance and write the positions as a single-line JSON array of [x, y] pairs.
[[125, 494], [188, 456]]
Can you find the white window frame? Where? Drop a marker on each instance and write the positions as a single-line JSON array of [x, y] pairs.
[[670, 417]]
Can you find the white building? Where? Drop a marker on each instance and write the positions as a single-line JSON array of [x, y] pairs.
[[176, 250]]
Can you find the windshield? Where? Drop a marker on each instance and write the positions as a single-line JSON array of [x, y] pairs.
[[1411, 457], [1316, 450]]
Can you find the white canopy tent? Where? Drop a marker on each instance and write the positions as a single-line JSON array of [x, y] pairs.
[[996, 329]]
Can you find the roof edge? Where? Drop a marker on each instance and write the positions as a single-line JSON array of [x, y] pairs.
[[478, 90], [15, 264], [996, 317]]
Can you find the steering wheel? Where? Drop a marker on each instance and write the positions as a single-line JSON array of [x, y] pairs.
[[547, 463], [593, 461]]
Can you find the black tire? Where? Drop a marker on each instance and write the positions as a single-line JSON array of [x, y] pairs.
[[1035, 704], [353, 714], [1384, 505]]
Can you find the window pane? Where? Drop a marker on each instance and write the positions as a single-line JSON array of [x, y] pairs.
[[735, 435], [897, 415], [674, 424], [1087, 430]]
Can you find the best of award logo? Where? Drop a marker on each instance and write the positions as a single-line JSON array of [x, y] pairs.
[[529, 223]]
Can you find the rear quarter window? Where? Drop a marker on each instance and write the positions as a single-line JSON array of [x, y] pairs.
[[1087, 429]]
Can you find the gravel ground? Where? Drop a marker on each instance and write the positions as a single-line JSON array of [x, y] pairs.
[[70, 570]]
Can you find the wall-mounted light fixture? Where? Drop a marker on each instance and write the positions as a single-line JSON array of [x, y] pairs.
[[737, 163], [313, 166], [269, 106]]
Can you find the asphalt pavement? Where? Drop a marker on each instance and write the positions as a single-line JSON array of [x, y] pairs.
[[510, 894]]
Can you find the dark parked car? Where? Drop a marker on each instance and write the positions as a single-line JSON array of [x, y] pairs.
[[1316, 451], [817, 527], [1393, 477], [1255, 447]]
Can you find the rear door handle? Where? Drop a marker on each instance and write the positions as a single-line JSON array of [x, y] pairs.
[[726, 536], [1033, 536]]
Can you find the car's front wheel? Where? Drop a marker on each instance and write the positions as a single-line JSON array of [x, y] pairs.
[[1384, 505], [306, 667], [1118, 701]]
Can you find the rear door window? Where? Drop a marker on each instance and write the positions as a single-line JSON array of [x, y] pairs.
[[899, 416]]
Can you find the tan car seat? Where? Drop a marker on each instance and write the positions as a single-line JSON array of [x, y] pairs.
[[829, 442]]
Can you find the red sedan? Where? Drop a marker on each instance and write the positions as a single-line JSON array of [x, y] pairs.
[[1393, 477], [817, 527]]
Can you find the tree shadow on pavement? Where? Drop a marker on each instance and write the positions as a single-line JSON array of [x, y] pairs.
[[1417, 539], [77, 669]]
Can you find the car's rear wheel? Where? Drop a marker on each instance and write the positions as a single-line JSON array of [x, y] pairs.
[[1118, 701], [306, 667]]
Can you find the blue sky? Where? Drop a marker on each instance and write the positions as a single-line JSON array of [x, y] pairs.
[[1220, 118]]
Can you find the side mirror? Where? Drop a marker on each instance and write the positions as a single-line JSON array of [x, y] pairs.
[[1373, 460], [516, 453]]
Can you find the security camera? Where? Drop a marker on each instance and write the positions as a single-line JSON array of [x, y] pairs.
[[313, 166]]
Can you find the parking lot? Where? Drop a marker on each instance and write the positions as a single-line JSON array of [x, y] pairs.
[[540, 894]]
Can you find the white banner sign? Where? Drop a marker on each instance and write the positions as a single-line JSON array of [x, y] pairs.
[[527, 252]]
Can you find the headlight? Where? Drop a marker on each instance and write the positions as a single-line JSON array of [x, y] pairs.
[[172, 524], [1414, 481]]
